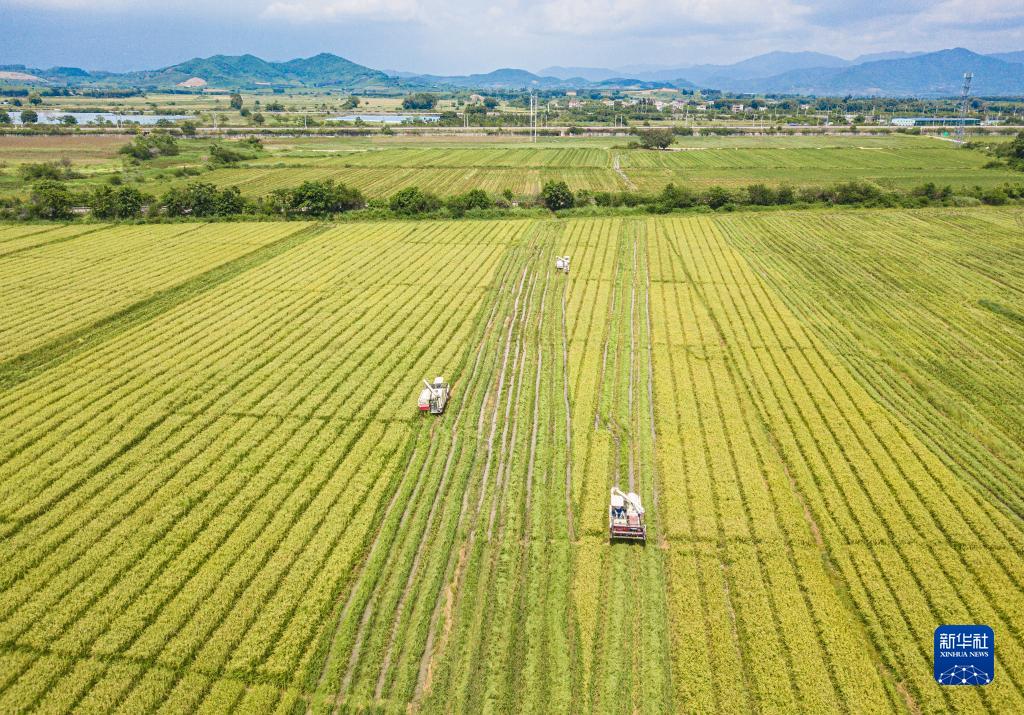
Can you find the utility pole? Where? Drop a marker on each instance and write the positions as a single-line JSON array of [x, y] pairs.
[[532, 117]]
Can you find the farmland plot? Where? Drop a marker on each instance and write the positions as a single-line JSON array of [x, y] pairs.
[[81, 148], [891, 162], [381, 172], [942, 347], [60, 279], [14, 239], [230, 506], [797, 463], [267, 431], [567, 157], [375, 180], [895, 162]]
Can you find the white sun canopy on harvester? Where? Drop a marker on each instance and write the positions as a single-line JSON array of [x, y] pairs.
[[626, 517], [434, 398], [562, 263]]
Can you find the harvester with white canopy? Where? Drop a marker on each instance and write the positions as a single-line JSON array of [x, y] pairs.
[[562, 263], [434, 398], [626, 517]]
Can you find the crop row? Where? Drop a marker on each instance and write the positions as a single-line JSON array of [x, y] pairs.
[[755, 599], [53, 289], [382, 181], [869, 487], [16, 239], [498, 598], [483, 580], [514, 158], [499, 609], [409, 561], [235, 508], [964, 365], [253, 447], [846, 158]]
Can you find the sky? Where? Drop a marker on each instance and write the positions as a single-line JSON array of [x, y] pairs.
[[465, 36]]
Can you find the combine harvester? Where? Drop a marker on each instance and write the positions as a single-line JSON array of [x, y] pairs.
[[626, 517], [434, 398], [562, 263]]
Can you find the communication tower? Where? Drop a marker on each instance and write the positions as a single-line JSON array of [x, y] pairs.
[[965, 94]]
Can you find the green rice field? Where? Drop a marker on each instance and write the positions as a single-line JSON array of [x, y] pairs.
[[217, 494], [699, 162], [380, 166]]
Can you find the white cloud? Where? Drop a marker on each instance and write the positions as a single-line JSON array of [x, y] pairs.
[[320, 10], [71, 4], [475, 35], [955, 12], [550, 17], [582, 17]]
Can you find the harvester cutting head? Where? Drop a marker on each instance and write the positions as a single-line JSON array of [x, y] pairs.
[[626, 517]]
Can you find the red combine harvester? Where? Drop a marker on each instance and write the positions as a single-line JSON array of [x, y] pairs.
[[626, 517], [434, 398]]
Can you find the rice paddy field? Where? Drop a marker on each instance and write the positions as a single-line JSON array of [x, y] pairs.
[[380, 166], [380, 169], [217, 495]]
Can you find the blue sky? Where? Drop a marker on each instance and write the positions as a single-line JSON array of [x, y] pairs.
[[450, 36]]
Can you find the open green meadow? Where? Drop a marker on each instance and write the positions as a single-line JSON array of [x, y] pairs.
[[217, 495], [380, 166]]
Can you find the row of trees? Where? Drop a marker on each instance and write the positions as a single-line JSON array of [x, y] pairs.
[[53, 200], [413, 201], [850, 193]]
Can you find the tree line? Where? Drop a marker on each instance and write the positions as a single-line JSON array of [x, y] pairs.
[[51, 199]]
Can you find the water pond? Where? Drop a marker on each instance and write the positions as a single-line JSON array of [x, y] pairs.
[[386, 118], [49, 117]]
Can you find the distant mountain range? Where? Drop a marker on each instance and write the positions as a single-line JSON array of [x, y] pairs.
[[809, 73], [713, 75], [882, 74], [507, 78], [1009, 56], [933, 74], [224, 71]]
